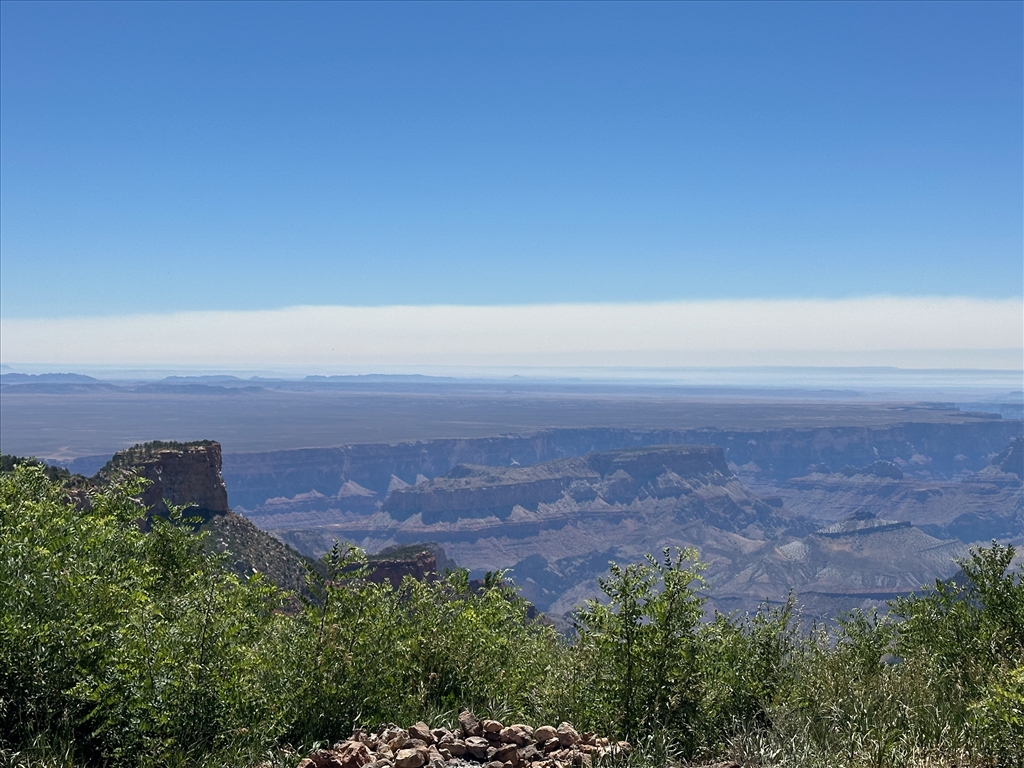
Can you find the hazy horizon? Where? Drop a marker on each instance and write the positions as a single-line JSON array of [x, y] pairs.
[[868, 378], [928, 332]]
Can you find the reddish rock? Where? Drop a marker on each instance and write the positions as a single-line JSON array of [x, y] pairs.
[[567, 735], [528, 753], [507, 753], [544, 734], [184, 474], [477, 746], [471, 725], [422, 566], [422, 732], [410, 758], [518, 734]]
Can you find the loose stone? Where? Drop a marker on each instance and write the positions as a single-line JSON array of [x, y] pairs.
[[567, 735], [477, 746], [544, 734], [507, 753], [471, 725], [409, 758], [492, 726], [422, 732]]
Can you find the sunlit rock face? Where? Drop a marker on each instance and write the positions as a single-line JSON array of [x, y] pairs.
[[185, 474]]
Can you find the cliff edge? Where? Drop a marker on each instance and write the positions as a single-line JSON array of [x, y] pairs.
[[182, 474]]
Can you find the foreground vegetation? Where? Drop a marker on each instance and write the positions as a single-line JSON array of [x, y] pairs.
[[119, 647]]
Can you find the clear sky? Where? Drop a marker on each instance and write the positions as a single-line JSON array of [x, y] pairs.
[[246, 157]]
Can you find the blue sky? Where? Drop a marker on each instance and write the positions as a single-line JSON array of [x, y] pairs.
[[167, 157]]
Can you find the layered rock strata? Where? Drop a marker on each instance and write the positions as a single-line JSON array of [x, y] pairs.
[[931, 451]]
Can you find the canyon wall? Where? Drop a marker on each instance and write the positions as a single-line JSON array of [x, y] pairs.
[[938, 451]]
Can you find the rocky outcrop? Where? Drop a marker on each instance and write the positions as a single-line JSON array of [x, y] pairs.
[[486, 742], [877, 468], [860, 524], [422, 562], [524, 503], [248, 551], [648, 464], [181, 474], [859, 562], [189, 475], [471, 503], [557, 524], [978, 507], [611, 477]]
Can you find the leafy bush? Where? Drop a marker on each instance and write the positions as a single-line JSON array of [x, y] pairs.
[[637, 651], [121, 643], [140, 648], [124, 647]]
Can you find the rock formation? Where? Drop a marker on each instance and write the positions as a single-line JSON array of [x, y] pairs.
[[977, 507], [182, 474], [556, 525], [556, 506], [473, 491], [925, 451], [420, 561], [485, 742], [189, 475], [1011, 459]]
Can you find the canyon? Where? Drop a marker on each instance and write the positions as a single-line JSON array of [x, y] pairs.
[[839, 516], [841, 504]]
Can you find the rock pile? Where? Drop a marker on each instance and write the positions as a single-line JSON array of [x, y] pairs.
[[475, 741]]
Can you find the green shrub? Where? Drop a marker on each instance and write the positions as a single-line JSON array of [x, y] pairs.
[[122, 644], [747, 667], [381, 654], [635, 655], [124, 647]]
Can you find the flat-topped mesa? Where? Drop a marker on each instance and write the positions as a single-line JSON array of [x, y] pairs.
[[424, 562], [469, 491], [646, 465], [183, 474], [477, 491]]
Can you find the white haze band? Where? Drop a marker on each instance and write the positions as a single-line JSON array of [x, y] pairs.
[[928, 332]]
